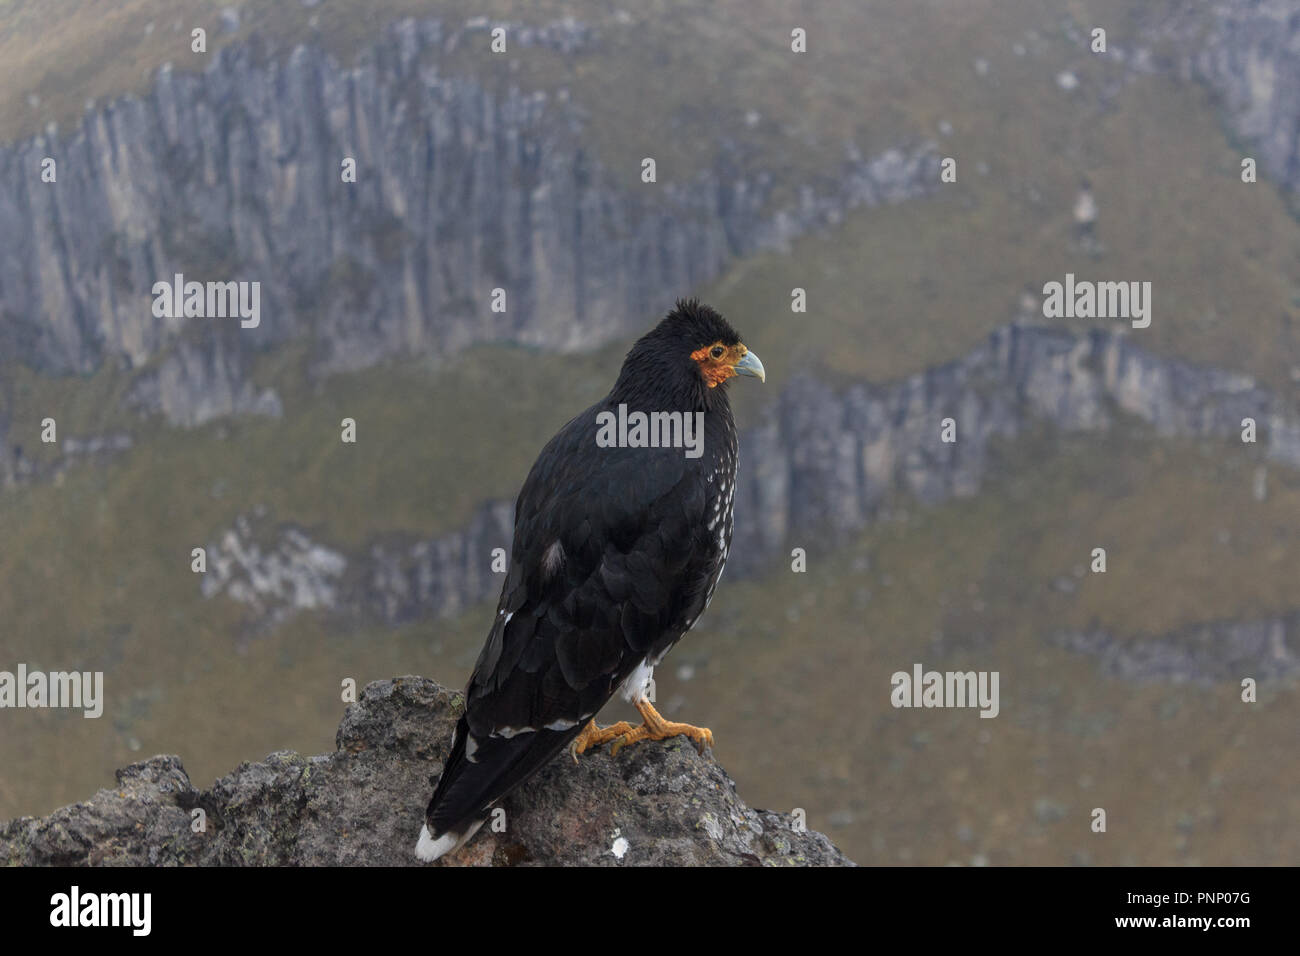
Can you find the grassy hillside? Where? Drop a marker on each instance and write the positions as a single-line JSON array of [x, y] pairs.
[[792, 670], [661, 68]]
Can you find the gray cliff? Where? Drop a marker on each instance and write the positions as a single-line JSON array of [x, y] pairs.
[[235, 174], [824, 461]]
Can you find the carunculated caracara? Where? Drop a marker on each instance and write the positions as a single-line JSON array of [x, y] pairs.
[[621, 533]]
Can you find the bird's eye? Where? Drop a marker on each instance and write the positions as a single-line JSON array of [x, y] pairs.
[[717, 351]]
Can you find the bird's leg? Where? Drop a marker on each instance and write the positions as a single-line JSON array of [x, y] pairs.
[[593, 736], [656, 728]]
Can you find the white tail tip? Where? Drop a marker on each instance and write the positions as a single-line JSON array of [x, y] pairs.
[[429, 849]]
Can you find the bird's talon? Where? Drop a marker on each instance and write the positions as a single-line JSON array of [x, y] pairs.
[[593, 736], [703, 740]]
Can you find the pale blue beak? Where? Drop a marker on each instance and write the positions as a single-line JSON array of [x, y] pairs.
[[751, 365]]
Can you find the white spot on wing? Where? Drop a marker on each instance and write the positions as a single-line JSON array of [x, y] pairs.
[[552, 559]]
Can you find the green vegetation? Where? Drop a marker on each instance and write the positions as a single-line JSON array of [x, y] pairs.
[[791, 671]]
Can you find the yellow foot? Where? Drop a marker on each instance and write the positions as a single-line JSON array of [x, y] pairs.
[[656, 728], [593, 736]]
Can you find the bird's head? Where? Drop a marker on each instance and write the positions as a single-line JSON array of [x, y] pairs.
[[691, 352]]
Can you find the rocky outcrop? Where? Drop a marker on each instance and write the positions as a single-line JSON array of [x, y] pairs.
[[656, 804], [1264, 649], [293, 573], [1248, 52], [16, 466], [447, 574], [235, 174], [826, 460], [200, 381], [275, 571]]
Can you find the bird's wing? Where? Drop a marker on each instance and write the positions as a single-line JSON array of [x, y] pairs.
[[610, 554]]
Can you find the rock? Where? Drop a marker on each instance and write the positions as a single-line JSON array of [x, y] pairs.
[[1248, 56], [1266, 648], [235, 173], [295, 574], [200, 381], [824, 460], [656, 804], [15, 467]]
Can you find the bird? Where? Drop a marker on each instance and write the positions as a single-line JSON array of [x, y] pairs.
[[619, 541]]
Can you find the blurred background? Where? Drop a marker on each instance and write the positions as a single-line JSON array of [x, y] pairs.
[[775, 171]]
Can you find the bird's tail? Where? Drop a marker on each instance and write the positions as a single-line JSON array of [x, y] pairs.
[[479, 772], [435, 840]]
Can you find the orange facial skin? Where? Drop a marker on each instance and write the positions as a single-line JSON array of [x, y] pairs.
[[718, 370]]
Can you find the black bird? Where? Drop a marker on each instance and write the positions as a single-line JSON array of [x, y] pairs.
[[621, 533]]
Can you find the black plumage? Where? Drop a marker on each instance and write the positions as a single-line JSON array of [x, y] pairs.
[[616, 553]]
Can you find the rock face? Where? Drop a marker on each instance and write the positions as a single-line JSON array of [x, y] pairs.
[[1251, 57], [296, 574], [236, 173], [828, 458], [656, 804], [824, 462], [1265, 649]]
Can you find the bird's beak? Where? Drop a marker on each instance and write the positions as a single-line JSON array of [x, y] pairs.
[[751, 365]]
